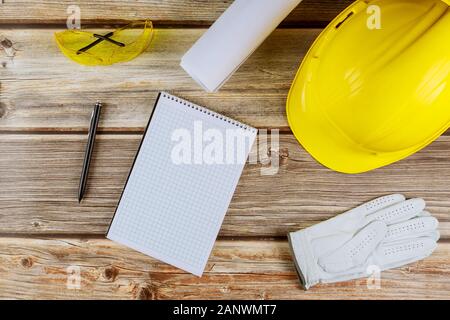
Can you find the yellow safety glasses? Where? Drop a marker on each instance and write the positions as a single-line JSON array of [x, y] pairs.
[[92, 49]]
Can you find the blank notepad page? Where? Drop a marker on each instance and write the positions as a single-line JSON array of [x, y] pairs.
[[181, 183]]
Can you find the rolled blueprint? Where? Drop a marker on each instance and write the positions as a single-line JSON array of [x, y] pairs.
[[214, 58]]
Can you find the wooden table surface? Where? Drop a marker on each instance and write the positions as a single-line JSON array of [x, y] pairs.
[[45, 106]]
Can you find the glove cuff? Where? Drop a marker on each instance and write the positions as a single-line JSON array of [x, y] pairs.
[[303, 259]]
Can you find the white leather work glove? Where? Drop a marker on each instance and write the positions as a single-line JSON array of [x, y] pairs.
[[387, 232]]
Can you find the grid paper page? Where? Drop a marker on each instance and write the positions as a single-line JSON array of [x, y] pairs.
[[173, 211]]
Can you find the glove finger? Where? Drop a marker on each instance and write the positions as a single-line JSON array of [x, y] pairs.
[[355, 251], [405, 250], [348, 223], [399, 212], [377, 204], [424, 214], [412, 228], [436, 235]]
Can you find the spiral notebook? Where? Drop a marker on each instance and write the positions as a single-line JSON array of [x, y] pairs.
[[181, 184]]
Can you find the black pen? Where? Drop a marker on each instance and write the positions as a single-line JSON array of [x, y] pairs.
[[89, 148]]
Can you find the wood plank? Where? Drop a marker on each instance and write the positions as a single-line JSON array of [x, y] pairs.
[[187, 12], [35, 97], [39, 177], [38, 269]]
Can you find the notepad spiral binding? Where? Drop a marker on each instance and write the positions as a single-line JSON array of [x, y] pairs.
[[208, 112]]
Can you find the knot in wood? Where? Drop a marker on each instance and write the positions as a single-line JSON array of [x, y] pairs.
[[111, 273], [27, 262]]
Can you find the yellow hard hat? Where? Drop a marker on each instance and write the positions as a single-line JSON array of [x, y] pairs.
[[375, 86]]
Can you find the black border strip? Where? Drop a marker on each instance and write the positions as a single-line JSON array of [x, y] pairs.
[[135, 158]]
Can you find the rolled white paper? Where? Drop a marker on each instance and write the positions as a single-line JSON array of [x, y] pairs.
[[214, 58]]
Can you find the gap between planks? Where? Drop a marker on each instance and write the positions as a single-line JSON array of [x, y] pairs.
[[188, 13], [88, 236]]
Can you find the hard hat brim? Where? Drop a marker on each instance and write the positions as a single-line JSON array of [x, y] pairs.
[[330, 147], [319, 135]]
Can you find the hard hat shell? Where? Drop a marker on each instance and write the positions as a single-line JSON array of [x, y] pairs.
[[365, 97]]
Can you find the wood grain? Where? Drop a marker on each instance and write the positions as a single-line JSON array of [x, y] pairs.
[[37, 97], [45, 105], [38, 269], [40, 175], [167, 12]]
